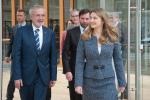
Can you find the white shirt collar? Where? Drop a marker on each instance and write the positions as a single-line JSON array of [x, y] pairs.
[[82, 29], [22, 24], [34, 28]]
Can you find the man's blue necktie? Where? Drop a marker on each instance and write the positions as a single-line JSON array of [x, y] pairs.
[[37, 40]]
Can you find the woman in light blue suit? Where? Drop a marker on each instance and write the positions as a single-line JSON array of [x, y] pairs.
[[98, 46]]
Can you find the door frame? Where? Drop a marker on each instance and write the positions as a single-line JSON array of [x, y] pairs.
[[138, 48], [1, 50], [138, 44]]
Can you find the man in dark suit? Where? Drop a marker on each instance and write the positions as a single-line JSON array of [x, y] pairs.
[[69, 51], [34, 57], [21, 22], [20, 15]]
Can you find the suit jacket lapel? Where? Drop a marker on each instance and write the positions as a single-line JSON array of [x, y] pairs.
[[78, 33]]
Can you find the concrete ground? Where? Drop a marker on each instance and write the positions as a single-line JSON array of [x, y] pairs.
[[60, 90]]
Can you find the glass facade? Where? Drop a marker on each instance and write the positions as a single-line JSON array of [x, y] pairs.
[[120, 7], [54, 20], [137, 24], [145, 39], [87, 4], [28, 3]]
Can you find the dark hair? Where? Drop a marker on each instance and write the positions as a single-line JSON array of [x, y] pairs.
[[20, 10], [84, 11]]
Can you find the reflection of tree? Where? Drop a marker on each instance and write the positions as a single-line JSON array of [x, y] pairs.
[[54, 25], [56, 28], [7, 29], [145, 23], [132, 27], [142, 27]]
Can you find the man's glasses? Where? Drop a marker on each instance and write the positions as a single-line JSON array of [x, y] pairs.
[[74, 15]]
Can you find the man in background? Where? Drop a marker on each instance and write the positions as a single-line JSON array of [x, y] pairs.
[[20, 15], [69, 51], [74, 19], [73, 22]]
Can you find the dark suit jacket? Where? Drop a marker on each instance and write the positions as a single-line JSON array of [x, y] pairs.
[[26, 59], [13, 32], [69, 49]]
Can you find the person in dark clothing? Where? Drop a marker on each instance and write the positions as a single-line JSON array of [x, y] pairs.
[[34, 63], [21, 22], [69, 51]]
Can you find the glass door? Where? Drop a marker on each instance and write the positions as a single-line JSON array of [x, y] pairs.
[[0, 50], [119, 12], [6, 33], [139, 50], [145, 54], [135, 17]]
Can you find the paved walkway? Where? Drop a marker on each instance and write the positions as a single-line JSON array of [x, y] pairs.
[[60, 90]]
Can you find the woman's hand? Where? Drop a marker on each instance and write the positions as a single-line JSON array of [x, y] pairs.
[[79, 90]]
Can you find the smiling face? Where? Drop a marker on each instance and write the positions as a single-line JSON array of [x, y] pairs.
[[75, 17], [95, 21], [37, 17]]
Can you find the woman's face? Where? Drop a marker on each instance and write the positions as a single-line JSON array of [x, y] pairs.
[[95, 21]]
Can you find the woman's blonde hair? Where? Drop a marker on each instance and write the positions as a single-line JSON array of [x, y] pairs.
[[109, 34]]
